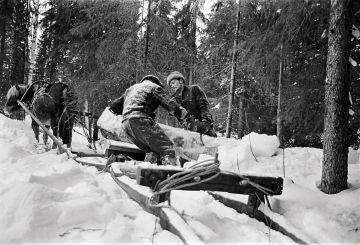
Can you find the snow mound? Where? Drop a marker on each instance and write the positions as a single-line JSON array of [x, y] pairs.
[[239, 154]]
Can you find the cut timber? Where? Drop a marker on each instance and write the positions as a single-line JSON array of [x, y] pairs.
[[225, 181], [189, 145], [255, 213], [169, 219]]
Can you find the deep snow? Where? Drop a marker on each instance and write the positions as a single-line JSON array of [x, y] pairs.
[[47, 198]]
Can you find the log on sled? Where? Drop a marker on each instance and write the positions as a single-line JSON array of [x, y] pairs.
[[187, 144]]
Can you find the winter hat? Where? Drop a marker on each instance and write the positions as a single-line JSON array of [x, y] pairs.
[[174, 75], [153, 79]]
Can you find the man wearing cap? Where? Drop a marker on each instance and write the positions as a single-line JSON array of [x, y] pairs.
[[194, 100], [137, 106]]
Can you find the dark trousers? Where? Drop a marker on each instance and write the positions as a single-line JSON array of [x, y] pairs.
[[146, 134]]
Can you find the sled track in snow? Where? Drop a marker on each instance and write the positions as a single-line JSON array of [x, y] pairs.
[[241, 207], [172, 220]]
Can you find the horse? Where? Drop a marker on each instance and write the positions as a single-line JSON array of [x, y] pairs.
[[50, 103]]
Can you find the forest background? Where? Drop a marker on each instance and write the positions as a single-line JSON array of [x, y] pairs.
[[101, 47]]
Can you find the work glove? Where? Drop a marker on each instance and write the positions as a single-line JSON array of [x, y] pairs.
[[203, 126], [116, 106], [180, 113]]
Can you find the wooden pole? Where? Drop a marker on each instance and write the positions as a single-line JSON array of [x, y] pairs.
[[279, 118], [56, 141]]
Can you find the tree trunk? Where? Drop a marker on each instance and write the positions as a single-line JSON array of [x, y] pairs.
[[34, 29], [192, 40], [137, 61], [279, 121], [40, 64], [2, 51], [147, 35], [54, 59], [2, 47], [3, 23], [86, 110], [233, 71], [242, 118], [335, 160], [20, 44], [90, 121]]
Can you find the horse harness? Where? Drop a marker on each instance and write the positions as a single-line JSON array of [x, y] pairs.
[[36, 93], [43, 90]]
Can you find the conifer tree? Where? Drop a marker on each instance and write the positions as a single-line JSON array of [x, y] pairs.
[[335, 160], [20, 42], [6, 10]]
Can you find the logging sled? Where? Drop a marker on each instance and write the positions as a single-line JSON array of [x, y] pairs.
[[150, 185]]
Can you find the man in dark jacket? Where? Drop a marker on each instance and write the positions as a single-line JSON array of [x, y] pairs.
[[137, 106], [194, 100]]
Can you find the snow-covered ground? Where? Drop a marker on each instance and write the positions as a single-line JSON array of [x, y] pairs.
[[47, 198]]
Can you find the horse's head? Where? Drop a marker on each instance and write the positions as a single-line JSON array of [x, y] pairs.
[[14, 94]]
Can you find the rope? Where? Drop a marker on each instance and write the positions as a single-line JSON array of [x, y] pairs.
[[36, 94], [179, 180], [31, 85], [107, 167]]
